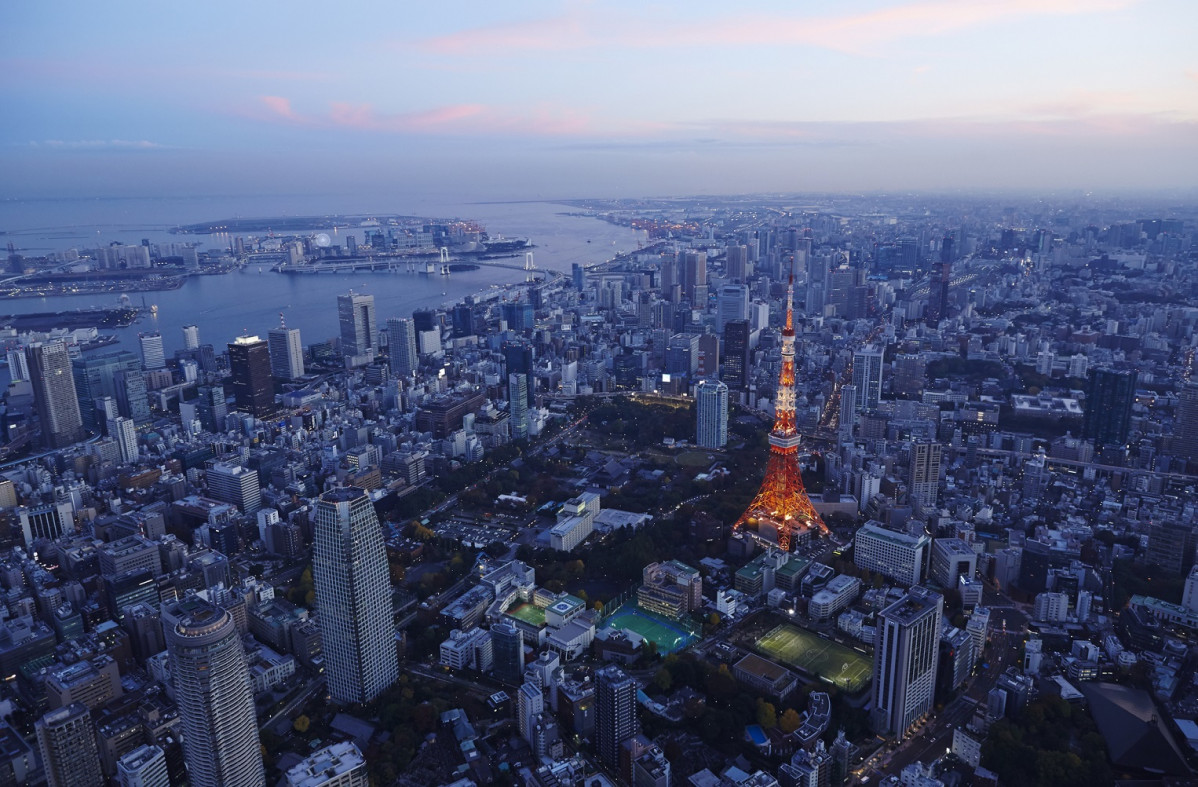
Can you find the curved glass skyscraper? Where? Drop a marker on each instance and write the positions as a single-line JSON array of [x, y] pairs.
[[353, 597], [212, 688]]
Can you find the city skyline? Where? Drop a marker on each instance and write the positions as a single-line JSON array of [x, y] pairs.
[[639, 101]]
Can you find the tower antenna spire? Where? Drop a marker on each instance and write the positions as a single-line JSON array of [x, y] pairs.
[[782, 505]]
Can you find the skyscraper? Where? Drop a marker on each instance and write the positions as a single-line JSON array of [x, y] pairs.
[[359, 342], [1109, 397], [253, 387], [867, 377], [191, 337], [615, 712], [353, 596], [152, 354], [212, 690], [733, 304], [906, 651], [711, 398], [694, 270], [507, 644], [233, 483], [517, 396], [68, 747], [736, 354], [54, 394], [517, 357], [925, 473], [401, 347], [124, 432], [736, 262], [118, 375], [286, 352]]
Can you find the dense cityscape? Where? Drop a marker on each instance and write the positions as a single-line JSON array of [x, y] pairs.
[[806, 490]]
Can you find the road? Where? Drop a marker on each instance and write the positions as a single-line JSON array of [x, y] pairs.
[[282, 717]]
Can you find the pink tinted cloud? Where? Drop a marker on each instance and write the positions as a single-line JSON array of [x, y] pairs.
[[579, 29], [453, 119]]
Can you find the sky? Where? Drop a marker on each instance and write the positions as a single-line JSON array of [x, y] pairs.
[[540, 99]]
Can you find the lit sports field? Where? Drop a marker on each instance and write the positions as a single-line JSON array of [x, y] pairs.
[[528, 613], [668, 637], [818, 657]]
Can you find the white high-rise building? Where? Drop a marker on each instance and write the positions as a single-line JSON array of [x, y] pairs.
[[125, 433], [867, 377], [517, 396], [353, 596], [906, 649], [711, 398], [152, 354], [18, 365], [233, 483], [145, 766], [339, 765], [286, 353], [901, 556], [191, 337], [212, 689], [401, 347]]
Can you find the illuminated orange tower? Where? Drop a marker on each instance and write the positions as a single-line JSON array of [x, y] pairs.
[[782, 504]]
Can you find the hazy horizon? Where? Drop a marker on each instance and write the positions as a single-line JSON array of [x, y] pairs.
[[560, 100]]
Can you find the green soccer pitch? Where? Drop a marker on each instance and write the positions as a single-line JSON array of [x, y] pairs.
[[817, 657]]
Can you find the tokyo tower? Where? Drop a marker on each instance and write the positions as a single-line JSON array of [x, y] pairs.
[[782, 505]]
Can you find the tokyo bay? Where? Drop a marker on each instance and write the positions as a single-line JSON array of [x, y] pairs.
[[250, 300]]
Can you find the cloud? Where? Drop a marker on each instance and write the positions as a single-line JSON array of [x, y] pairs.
[[98, 144], [466, 119], [858, 33]]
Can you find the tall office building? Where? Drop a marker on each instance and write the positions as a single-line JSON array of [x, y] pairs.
[[1184, 441], [233, 483], [615, 712], [353, 596], [153, 356], [212, 689], [67, 742], [517, 397], [117, 375], [401, 347], [733, 304], [286, 353], [124, 432], [925, 473], [736, 354], [694, 283], [867, 378], [359, 341], [906, 651], [249, 366], [18, 365], [54, 394], [846, 417], [145, 766], [517, 358], [191, 337], [507, 645], [711, 399], [1109, 397], [736, 264]]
